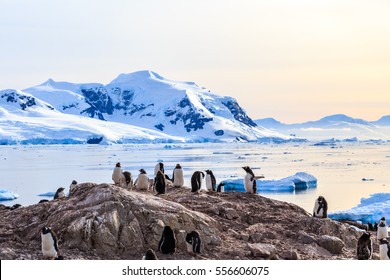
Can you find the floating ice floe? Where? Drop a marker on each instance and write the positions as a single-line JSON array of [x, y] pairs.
[[7, 195], [48, 194], [370, 209], [299, 181]]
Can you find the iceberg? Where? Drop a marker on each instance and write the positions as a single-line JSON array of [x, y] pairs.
[[370, 209], [48, 194], [7, 195], [297, 182]]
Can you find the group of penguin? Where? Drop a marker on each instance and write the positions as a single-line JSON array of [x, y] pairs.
[[364, 246], [161, 181], [166, 245]]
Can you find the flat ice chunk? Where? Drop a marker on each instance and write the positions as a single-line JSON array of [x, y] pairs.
[[299, 181], [7, 195]]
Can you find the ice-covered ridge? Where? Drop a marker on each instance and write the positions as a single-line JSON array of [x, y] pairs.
[[370, 209]]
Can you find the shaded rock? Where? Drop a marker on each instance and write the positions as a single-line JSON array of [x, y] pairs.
[[108, 222], [261, 250], [331, 243]]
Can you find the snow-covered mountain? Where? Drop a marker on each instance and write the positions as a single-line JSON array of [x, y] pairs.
[[140, 105], [335, 126]]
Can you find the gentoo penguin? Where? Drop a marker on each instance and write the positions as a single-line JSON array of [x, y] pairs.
[[196, 181], [150, 255], [159, 167], [72, 187], [375, 226], [193, 242], [219, 188], [364, 247], [43, 201], [211, 183], [167, 244], [127, 181], [49, 243], [320, 208], [370, 226], [60, 193], [142, 182], [382, 229], [384, 249], [117, 173], [159, 183], [250, 183], [177, 176]]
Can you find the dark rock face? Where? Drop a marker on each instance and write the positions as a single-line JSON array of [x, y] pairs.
[[109, 222], [100, 102], [23, 100], [238, 113]]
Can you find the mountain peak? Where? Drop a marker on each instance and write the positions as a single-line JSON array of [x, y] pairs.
[[139, 75]]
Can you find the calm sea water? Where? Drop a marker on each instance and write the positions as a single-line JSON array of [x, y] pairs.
[[32, 170]]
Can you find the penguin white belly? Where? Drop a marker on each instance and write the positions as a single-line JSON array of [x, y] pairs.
[[189, 248], [248, 183], [178, 178], [48, 248], [382, 232], [143, 182], [209, 184], [383, 252]]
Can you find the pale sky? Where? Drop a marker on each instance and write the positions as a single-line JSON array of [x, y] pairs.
[[293, 60]]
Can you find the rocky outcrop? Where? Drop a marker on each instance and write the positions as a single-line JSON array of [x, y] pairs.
[[108, 222]]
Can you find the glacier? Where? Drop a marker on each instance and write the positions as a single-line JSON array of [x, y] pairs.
[[7, 195], [370, 209], [298, 182], [139, 107]]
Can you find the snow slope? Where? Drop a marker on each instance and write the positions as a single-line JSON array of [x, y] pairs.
[[338, 127], [159, 107]]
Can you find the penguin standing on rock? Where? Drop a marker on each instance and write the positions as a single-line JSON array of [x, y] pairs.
[[211, 183], [196, 181], [127, 181], [72, 187], [320, 208], [250, 183], [193, 242], [159, 183], [220, 187], [49, 243], [364, 247], [142, 182], [159, 167], [384, 249], [178, 176], [167, 244], [382, 229], [117, 174], [60, 193]]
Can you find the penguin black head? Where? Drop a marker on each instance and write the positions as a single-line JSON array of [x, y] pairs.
[[383, 241], [150, 255], [46, 230], [178, 166], [220, 185], [60, 190], [209, 172], [74, 182], [248, 170], [118, 164], [142, 171]]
